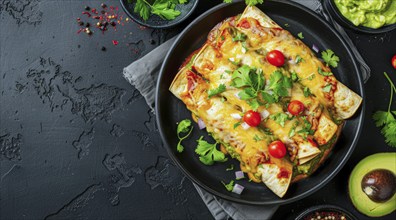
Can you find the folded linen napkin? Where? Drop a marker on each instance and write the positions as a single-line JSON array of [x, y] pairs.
[[143, 74]]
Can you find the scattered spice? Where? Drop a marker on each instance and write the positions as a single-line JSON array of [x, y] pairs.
[[103, 48], [87, 8], [115, 42], [103, 5]]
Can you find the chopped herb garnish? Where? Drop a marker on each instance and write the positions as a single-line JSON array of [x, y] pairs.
[[257, 138], [321, 72], [300, 35], [294, 77], [280, 118], [208, 153], [237, 124], [183, 127], [239, 36], [287, 25], [218, 90], [307, 92], [230, 168], [330, 58], [229, 186], [306, 129], [327, 88], [299, 59]]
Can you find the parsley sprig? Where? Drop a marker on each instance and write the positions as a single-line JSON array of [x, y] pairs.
[[208, 153], [183, 127], [330, 58], [163, 8], [386, 119]]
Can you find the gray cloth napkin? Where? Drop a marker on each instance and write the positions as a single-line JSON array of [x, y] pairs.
[[143, 74]]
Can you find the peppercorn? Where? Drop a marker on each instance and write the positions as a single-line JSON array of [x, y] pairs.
[[96, 17], [98, 24], [87, 24], [113, 23], [103, 12], [105, 23], [103, 48], [87, 8], [103, 5], [80, 23]]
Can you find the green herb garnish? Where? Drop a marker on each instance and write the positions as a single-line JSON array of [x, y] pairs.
[[208, 153], [218, 90], [386, 119], [330, 58], [183, 127], [229, 186]]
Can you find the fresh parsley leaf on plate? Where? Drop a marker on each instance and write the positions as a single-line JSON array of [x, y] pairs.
[[330, 58], [183, 127], [216, 91], [208, 153]]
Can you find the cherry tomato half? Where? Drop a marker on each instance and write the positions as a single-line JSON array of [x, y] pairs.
[[295, 107], [252, 118], [277, 149], [276, 58], [394, 61]]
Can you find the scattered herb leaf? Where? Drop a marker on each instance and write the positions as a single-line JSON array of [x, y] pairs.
[[229, 186], [218, 90], [330, 58], [300, 35], [321, 72], [184, 126], [208, 153]]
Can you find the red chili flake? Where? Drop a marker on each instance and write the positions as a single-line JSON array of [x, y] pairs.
[[111, 7], [86, 13], [115, 42], [94, 11], [96, 17]]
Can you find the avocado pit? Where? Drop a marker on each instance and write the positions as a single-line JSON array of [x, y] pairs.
[[379, 185]]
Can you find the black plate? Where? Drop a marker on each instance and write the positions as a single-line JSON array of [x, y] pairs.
[[170, 110], [332, 9], [155, 21]]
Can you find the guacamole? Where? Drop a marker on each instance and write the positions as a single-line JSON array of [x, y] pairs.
[[368, 13]]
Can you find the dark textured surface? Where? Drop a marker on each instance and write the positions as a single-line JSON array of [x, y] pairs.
[[78, 142]]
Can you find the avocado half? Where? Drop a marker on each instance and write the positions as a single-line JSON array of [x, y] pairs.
[[359, 199]]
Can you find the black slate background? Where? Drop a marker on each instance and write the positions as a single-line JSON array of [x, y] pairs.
[[78, 142]]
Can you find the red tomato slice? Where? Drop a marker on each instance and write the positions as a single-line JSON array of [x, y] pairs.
[[252, 118], [277, 149], [276, 58], [295, 107]]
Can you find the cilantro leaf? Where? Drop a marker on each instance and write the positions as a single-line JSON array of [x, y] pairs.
[[330, 58], [280, 118], [239, 36], [386, 119], [253, 2], [254, 104], [300, 35], [306, 129], [218, 90], [279, 84], [230, 168], [247, 93], [183, 1], [163, 9], [143, 9], [268, 98], [257, 138], [382, 118], [294, 77], [321, 72], [299, 59], [183, 127], [229, 186], [327, 88], [208, 153], [237, 124], [307, 92], [240, 77]]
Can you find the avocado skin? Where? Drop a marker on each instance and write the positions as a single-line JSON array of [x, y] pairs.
[[359, 199]]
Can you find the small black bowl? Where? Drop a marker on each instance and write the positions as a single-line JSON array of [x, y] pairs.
[[325, 208], [155, 21], [330, 7]]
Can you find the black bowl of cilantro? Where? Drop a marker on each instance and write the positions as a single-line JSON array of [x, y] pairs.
[[158, 13]]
